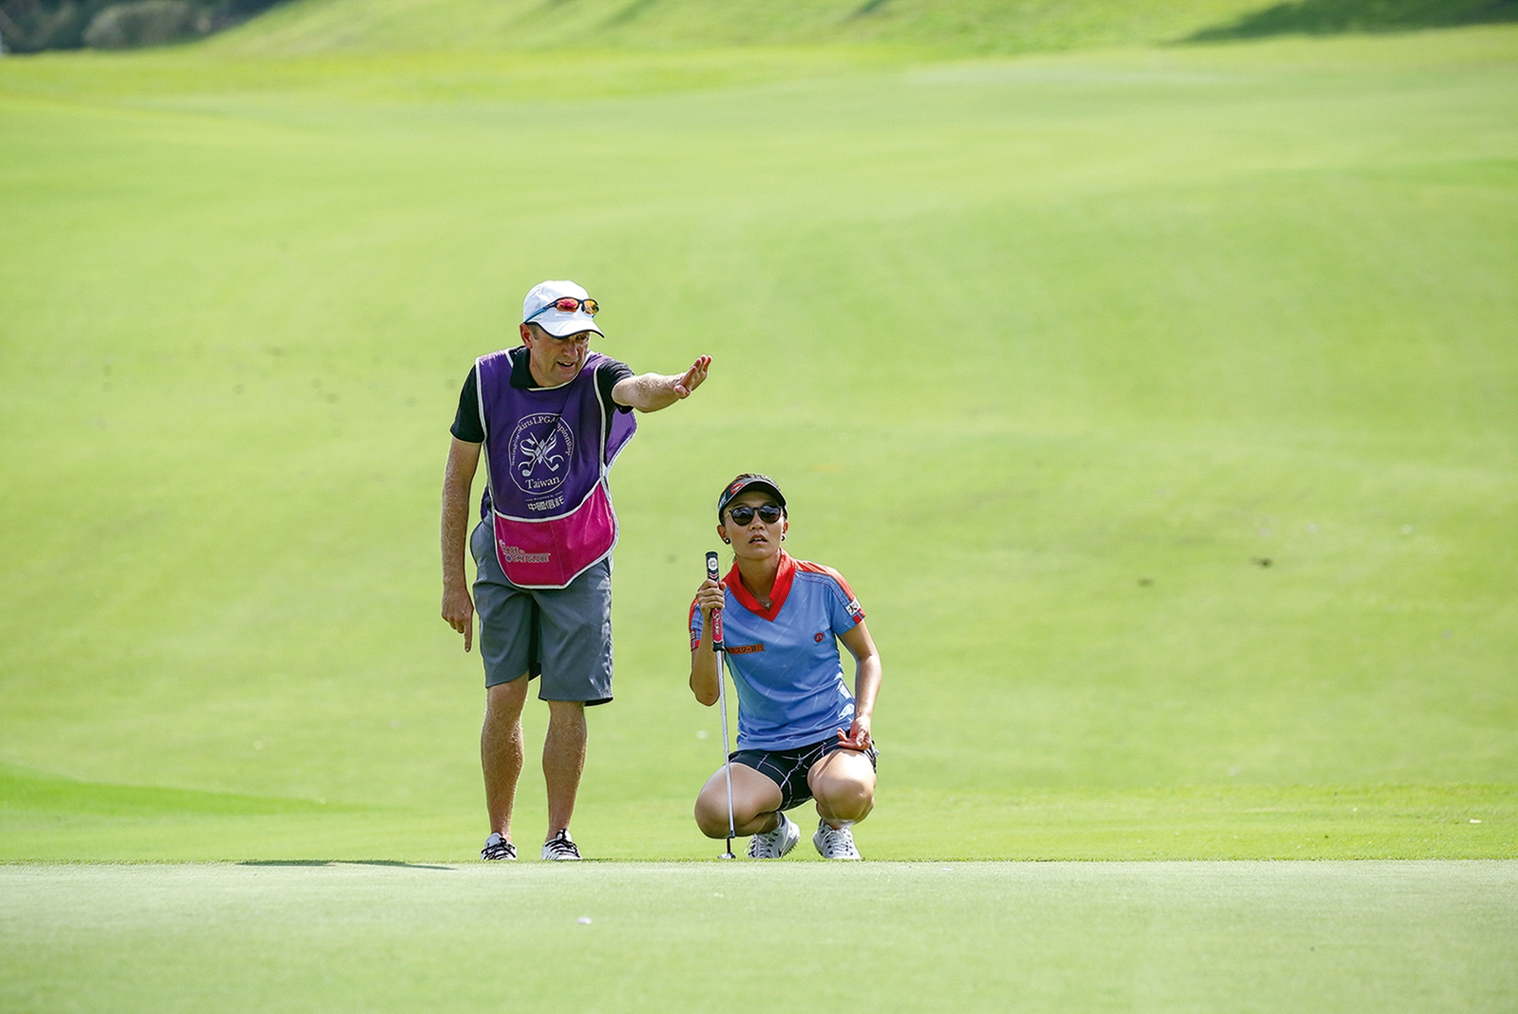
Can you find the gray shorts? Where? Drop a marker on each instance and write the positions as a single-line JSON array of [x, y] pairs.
[[561, 634]]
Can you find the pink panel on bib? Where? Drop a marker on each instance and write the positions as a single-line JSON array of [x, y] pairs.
[[550, 554]]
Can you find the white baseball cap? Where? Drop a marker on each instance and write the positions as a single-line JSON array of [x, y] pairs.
[[541, 307]]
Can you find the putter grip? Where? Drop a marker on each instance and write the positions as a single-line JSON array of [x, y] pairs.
[[714, 574]]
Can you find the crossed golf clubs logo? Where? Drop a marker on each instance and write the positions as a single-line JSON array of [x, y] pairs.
[[540, 452], [541, 449]]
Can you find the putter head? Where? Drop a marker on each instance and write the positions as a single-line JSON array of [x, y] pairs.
[[727, 855]]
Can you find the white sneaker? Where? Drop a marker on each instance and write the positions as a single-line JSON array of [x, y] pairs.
[[835, 842], [560, 847], [776, 843], [497, 847]]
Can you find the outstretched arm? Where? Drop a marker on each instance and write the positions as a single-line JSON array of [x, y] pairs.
[[649, 392], [866, 685], [458, 607]]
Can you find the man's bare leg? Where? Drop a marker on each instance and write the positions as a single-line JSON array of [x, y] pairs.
[[501, 750], [563, 761]]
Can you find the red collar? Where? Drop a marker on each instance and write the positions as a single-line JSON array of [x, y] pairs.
[[783, 578]]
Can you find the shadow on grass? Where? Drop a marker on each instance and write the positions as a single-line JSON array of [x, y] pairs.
[[342, 862], [1333, 17]]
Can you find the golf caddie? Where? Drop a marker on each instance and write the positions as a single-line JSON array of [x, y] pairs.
[[551, 417]]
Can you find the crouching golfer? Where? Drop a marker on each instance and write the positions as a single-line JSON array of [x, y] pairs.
[[801, 734], [551, 416]]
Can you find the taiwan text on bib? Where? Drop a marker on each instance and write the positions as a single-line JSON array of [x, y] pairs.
[[548, 452]]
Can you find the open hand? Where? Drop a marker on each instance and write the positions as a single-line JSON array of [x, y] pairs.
[[693, 377]]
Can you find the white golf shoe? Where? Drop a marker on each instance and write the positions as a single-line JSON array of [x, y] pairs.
[[497, 848], [560, 847], [835, 842], [776, 843]]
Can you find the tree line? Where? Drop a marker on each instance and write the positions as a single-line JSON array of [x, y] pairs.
[[31, 26]]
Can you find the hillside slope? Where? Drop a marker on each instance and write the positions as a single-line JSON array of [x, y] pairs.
[[968, 26]]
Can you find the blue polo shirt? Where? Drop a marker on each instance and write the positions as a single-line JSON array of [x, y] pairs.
[[784, 659]]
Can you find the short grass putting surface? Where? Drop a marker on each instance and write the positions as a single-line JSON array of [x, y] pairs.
[[1071, 937]]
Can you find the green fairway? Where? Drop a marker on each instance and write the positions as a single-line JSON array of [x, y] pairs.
[[51, 818], [1069, 937], [1159, 404]]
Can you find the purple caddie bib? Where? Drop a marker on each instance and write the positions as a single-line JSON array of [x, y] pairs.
[[547, 452]]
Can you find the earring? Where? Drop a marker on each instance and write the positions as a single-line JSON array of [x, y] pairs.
[[730, 541], [782, 536]]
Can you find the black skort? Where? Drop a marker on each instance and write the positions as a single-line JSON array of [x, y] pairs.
[[788, 768]]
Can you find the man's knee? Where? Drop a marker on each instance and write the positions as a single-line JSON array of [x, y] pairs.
[[504, 701], [566, 714]]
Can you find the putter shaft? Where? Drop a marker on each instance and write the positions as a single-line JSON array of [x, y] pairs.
[[712, 573]]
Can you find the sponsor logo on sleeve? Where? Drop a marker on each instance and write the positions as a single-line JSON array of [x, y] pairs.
[[855, 610]]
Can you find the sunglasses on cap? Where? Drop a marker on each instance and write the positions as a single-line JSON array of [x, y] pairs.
[[768, 513], [569, 304]]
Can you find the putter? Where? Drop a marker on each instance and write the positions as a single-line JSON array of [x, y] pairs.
[[727, 763]]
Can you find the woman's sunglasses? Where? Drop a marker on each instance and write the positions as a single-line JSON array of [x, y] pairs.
[[569, 304], [768, 513]]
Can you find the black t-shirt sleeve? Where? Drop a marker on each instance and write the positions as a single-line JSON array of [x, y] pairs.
[[466, 421], [608, 375]]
